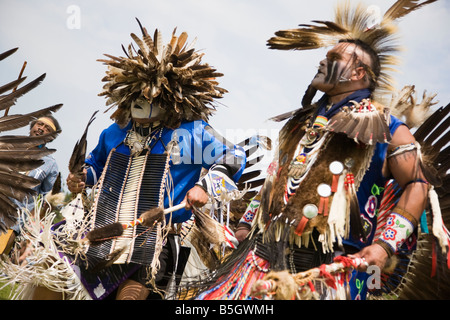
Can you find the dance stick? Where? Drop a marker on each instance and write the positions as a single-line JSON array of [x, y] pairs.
[[148, 219]]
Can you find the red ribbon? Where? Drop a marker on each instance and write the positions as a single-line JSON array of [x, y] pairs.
[[448, 255], [433, 259], [329, 279], [334, 184], [301, 226], [323, 206], [346, 261]]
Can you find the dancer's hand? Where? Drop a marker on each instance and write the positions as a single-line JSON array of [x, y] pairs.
[[241, 232], [75, 182], [196, 197], [373, 255]]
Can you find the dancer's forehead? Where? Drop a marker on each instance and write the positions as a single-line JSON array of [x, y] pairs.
[[348, 51]]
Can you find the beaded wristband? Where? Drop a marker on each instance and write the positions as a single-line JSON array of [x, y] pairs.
[[398, 229]]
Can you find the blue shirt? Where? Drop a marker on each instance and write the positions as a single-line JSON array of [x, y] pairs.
[[46, 174], [200, 147], [369, 192]]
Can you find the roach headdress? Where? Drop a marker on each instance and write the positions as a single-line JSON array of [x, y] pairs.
[[358, 23], [171, 76]]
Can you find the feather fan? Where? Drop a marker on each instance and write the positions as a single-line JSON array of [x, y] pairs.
[[19, 153], [214, 232], [424, 272], [433, 135]]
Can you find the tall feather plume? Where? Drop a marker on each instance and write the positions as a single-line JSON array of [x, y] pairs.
[[171, 76], [18, 153]]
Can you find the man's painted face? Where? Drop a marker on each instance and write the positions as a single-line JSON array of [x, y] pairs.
[[143, 111], [336, 68]]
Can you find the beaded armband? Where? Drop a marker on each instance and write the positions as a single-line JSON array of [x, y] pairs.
[[250, 212], [399, 227]]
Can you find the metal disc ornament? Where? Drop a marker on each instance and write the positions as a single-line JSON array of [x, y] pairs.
[[324, 190], [336, 167], [310, 211]]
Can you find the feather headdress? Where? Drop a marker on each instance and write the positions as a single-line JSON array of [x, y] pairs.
[[359, 23], [171, 76]]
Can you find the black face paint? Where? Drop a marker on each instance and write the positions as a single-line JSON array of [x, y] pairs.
[[332, 71], [335, 71]]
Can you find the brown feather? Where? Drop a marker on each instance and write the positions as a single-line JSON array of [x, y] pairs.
[[9, 213], [11, 85], [19, 120], [57, 185], [20, 166], [403, 7], [6, 54], [24, 142], [26, 154], [10, 99], [18, 180]]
